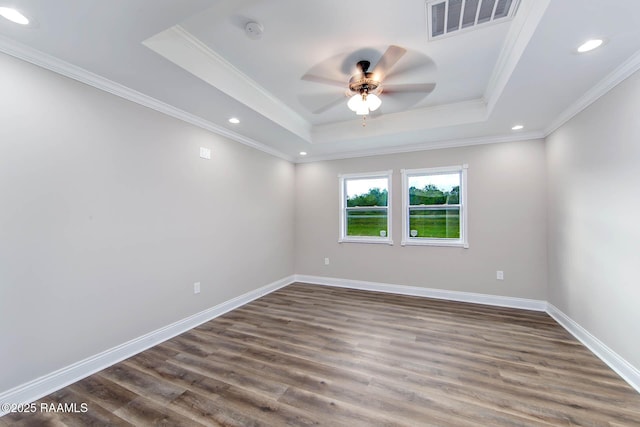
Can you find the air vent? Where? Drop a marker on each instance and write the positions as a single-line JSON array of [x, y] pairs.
[[445, 17]]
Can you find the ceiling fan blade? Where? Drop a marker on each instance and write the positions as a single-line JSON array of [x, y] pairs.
[[323, 80], [330, 105], [408, 68], [412, 88], [388, 60]]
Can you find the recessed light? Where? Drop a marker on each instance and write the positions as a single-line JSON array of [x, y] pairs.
[[303, 153], [234, 120], [13, 16], [590, 45], [517, 127]]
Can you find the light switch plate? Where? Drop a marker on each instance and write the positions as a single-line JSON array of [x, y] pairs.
[[205, 153]]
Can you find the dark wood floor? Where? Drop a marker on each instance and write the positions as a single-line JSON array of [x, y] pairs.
[[311, 355]]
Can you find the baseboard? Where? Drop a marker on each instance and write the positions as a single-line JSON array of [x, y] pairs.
[[49, 383], [500, 301], [623, 368]]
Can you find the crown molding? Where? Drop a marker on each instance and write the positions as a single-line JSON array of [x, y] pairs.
[[617, 76], [425, 146], [416, 120], [81, 75], [185, 50], [522, 29]]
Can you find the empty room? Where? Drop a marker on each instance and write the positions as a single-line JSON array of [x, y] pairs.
[[336, 213]]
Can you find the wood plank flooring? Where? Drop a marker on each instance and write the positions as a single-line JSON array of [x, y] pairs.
[[313, 355]]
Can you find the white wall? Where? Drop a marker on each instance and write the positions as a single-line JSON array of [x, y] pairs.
[[108, 216], [594, 207], [507, 223]]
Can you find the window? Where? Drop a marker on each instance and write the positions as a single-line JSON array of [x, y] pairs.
[[365, 216], [434, 206]]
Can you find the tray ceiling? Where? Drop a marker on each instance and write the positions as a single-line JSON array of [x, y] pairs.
[[193, 59]]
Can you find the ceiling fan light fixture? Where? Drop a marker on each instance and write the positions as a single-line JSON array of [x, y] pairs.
[[373, 101], [364, 103], [355, 102], [362, 111]]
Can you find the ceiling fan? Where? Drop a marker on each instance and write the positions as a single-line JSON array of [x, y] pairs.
[[364, 87]]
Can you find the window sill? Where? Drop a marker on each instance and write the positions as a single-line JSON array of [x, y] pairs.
[[434, 242], [374, 240]]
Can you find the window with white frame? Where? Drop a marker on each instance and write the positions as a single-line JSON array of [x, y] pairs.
[[365, 216], [434, 206]]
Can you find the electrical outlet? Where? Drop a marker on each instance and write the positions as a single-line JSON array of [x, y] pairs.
[[326, 261], [196, 288], [500, 275]]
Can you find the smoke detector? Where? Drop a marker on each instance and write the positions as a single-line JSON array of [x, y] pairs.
[[254, 30]]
